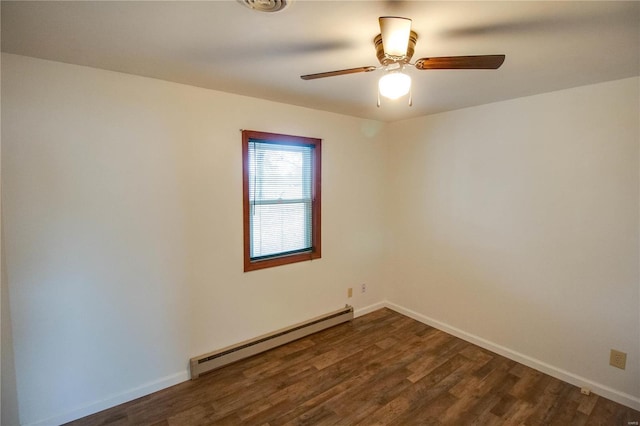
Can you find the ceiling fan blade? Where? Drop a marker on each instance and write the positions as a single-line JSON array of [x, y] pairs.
[[339, 72], [481, 62], [395, 32]]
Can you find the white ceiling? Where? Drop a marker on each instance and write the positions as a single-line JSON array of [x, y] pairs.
[[222, 45]]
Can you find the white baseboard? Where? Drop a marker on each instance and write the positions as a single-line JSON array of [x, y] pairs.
[[114, 400], [566, 376], [368, 309]]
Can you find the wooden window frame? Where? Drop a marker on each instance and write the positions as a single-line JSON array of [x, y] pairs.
[[315, 252]]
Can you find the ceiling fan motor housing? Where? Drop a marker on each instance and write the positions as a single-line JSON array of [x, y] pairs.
[[386, 59]]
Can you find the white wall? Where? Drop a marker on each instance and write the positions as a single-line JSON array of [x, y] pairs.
[[9, 400], [516, 223], [123, 230]]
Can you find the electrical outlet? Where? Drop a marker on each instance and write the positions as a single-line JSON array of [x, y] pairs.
[[363, 288], [349, 292], [618, 359]]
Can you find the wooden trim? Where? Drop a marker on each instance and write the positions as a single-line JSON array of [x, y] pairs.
[[317, 201], [246, 208], [316, 234]]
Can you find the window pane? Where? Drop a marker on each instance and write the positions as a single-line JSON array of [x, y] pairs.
[[280, 228], [279, 172], [280, 196]]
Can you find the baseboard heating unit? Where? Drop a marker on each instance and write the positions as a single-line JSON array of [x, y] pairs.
[[225, 356]]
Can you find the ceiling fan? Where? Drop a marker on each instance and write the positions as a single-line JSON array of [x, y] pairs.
[[395, 46]]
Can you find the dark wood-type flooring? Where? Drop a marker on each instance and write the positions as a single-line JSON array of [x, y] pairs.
[[382, 368]]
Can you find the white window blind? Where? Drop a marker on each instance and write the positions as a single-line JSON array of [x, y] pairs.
[[280, 197]]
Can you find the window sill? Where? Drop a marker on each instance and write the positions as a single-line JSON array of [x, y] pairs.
[[279, 261]]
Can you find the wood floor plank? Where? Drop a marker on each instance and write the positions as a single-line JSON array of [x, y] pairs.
[[379, 369], [586, 403], [426, 396]]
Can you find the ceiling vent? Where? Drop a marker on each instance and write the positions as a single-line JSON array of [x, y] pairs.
[[266, 5]]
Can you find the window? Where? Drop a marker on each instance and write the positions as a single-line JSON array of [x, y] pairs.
[[281, 199]]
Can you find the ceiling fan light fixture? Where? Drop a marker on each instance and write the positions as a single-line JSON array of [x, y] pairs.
[[394, 85], [395, 33]]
